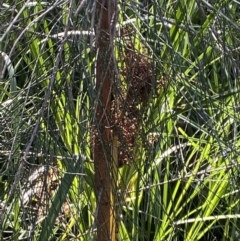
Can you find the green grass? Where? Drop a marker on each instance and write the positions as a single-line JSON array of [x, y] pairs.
[[184, 185]]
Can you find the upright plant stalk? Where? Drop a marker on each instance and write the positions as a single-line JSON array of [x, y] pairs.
[[105, 216]]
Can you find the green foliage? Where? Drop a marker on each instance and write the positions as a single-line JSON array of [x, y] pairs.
[[182, 183]]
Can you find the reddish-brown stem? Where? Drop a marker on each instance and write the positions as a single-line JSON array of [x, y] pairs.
[[102, 139]]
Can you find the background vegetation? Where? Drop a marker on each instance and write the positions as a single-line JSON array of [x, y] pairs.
[[179, 178]]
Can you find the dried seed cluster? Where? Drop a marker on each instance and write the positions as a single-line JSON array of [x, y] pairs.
[[40, 188], [129, 99], [126, 114]]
